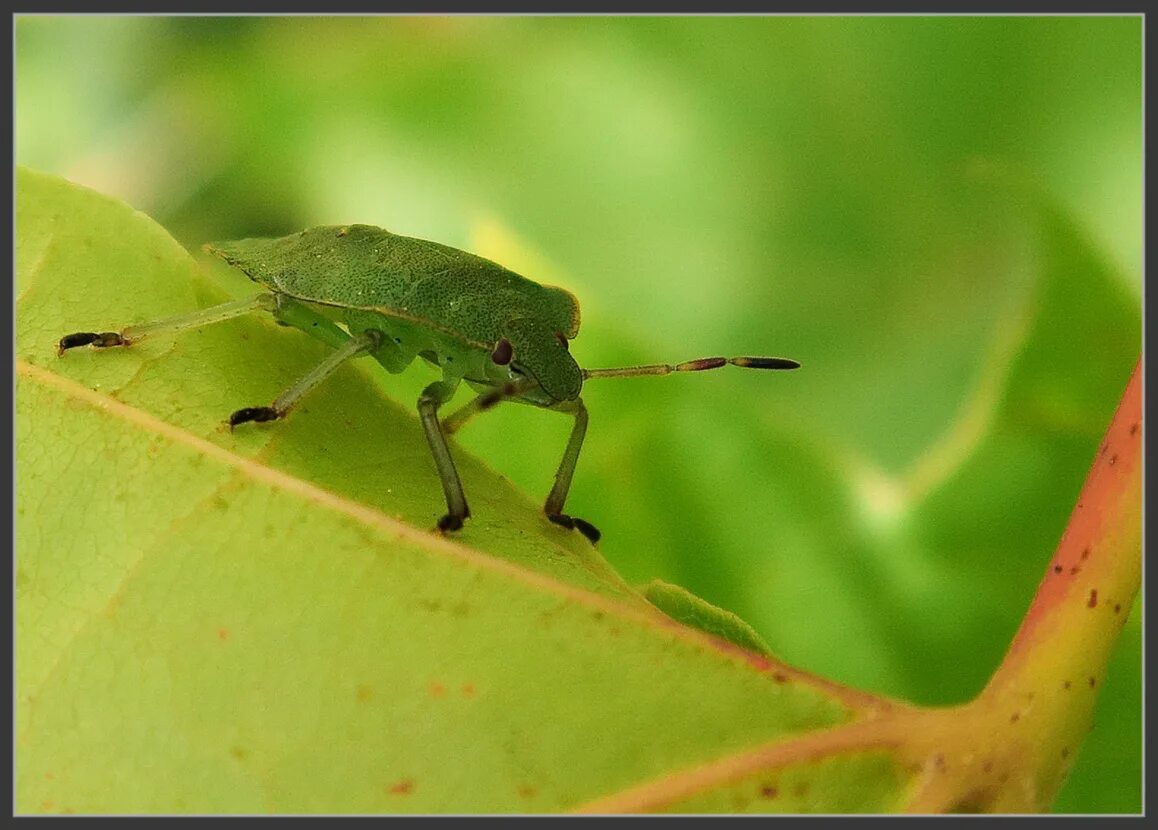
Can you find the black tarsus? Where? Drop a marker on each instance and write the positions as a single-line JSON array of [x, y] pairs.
[[449, 523], [572, 523], [587, 529], [253, 413], [84, 338]]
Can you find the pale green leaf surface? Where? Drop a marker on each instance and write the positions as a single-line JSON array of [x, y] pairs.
[[711, 185], [867, 782], [257, 621]]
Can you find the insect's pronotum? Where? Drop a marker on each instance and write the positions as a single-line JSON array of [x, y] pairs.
[[397, 298]]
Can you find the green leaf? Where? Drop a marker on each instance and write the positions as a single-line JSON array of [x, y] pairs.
[[827, 210], [260, 620]]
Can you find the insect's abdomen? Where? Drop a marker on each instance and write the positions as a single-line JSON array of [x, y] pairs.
[[361, 266]]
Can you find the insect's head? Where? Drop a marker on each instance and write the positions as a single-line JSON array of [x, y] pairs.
[[540, 353]]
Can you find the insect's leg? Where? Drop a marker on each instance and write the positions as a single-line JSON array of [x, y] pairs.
[[290, 312], [301, 316], [133, 334], [558, 495], [459, 418], [367, 341], [432, 397]]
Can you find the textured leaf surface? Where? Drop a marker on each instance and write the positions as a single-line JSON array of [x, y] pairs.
[[880, 516], [258, 620]]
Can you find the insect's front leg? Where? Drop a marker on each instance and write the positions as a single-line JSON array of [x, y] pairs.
[[434, 396], [558, 495], [483, 402], [134, 334]]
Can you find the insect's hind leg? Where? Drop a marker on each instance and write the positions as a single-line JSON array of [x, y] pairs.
[[432, 397], [558, 495], [134, 334]]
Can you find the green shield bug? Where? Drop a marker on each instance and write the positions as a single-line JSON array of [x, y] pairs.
[[364, 290]]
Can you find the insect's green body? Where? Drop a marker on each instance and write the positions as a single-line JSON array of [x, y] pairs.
[[446, 305], [398, 298]]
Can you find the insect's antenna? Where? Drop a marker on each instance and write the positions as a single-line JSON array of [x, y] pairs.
[[692, 366]]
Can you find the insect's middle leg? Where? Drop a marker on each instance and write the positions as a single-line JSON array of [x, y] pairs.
[[558, 495], [432, 397], [366, 341]]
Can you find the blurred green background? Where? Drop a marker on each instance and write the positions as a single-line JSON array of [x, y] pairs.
[[941, 218]]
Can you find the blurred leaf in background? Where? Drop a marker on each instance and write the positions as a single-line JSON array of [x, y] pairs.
[[939, 217]]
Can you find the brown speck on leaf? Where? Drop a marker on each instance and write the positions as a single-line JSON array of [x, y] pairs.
[[1117, 607], [403, 787], [1105, 446], [364, 692], [468, 690], [768, 791], [437, 689], [1133, 429], [1074, 570], [223, 634], [1065, 752], [1085, 553], [1003, 777], [1015, 717], [1093, 681], [780, 677], [1093, 600], [1057, 569], [527, 791], [987, 766], [1114, 458], [1066, 685]]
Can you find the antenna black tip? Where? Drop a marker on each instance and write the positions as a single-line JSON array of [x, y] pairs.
[[765, 362]]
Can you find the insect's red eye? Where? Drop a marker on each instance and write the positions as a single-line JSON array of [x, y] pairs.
[[562, 340], [503, 352]]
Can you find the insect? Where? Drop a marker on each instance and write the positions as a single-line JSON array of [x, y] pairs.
[[366, 291]]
